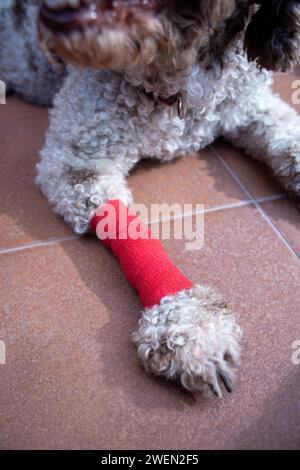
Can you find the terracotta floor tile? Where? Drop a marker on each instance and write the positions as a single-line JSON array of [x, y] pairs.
[[297, 70], [25, 214], [283, 85], [72, 378], [254, 175], [193, 179], [286, 217]]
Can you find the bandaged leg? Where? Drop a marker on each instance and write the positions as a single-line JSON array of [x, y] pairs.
[[186, 332]]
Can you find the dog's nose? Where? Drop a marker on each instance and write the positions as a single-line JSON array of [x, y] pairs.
[[65, 15], [60, 4]]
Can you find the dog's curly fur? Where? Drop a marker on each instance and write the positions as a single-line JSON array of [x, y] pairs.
[[104, 120], [190, 337]]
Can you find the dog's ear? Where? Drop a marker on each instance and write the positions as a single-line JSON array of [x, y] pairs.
[[272, 37]]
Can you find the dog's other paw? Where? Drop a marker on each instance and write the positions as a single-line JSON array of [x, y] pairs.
[[191, 337]]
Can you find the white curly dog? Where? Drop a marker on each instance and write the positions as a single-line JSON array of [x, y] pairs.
[[158, 79]]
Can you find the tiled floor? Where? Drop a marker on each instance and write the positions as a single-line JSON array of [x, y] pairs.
[[72, 378]]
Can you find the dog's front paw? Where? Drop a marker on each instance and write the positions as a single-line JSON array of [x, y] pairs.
[[191, 336]]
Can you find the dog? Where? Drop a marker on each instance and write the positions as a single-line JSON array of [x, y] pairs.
[[158, 79]]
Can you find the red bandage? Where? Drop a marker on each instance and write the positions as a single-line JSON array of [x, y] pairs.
[[143, 259]]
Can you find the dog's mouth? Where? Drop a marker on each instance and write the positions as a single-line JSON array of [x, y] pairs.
[[69, 15]]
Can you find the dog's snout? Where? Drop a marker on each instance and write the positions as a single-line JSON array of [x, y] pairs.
[[99, 33]]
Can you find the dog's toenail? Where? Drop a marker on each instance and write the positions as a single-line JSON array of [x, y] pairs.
[[226, 382]]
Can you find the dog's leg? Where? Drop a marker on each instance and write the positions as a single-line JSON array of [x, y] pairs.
[[84, 161], [271, 133], [186, 332], [76, 194], [74, 188]]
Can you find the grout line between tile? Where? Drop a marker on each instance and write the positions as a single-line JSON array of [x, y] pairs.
[[275, 197], [199, 212], [255, 202], [30, 246], [233, 205]]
